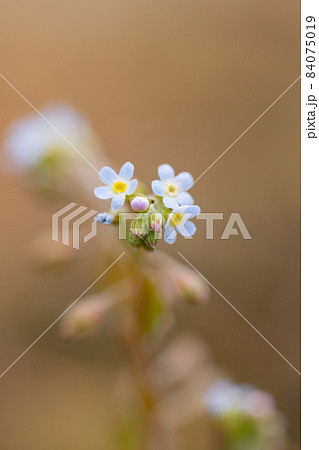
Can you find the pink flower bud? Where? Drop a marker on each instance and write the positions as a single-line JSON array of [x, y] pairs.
[[191, 286], [85, 317], [140, 203], [156, 226], [156, 221]]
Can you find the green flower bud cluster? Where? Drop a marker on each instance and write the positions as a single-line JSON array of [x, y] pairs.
[[146, 228]]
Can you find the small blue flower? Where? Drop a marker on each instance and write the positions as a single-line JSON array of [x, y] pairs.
[[225, 397], [117, 185], [173, 188], [178, 221], [105, 218]]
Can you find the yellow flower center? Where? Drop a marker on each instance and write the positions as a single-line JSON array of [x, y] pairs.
[[176, 219], [171, 189], [119, 187]]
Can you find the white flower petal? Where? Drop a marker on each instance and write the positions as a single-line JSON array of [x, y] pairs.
[[108, 175], [131, 188], [170, 234], [165, 171], [185, 179], [170, 202], [180, 209], [157, 187], [117, 202], [187, 229], [186, 199], [127, 171], [103, 192], [191, 210]]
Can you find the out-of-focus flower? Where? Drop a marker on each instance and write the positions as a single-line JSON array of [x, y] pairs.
[[176, 281], [178, 221], [247, 417], [52, 151], [88, 314], [117, 185], [189, 285], [140, 203], [32, 141], [105, 218], [85, 317], [226, 397], [173, 189]]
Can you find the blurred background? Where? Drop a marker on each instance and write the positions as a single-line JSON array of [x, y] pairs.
[[173, 82]]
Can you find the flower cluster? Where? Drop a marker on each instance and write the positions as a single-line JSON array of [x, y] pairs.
[[170, 209]]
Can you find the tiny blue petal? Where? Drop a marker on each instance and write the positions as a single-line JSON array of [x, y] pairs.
[[169, 234], [191, 210], [165, 171], [170, 202], [103, 192], [185, 179], [127, 171], [188, 229], [186, 199], [108, 175], [157, 187], [117, 202], [131, 188]]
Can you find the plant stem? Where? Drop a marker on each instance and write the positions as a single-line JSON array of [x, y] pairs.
[[136, 343]]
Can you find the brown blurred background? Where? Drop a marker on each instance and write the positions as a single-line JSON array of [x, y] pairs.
[[172, 82]]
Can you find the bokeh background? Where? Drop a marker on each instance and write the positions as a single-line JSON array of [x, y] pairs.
[[172, 82]]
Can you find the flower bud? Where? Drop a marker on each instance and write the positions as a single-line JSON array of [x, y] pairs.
[[151, 240], [135, 241], [140, 225], [85, 317], [187, 284], [156, 221], [140, 203]]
